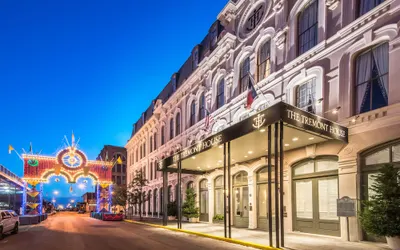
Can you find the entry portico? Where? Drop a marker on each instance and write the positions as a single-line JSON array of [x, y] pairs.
[[258, 201]]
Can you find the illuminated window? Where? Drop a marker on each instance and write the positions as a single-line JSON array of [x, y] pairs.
[[244, 75], [308, 27], [221, 94], [264, 61]]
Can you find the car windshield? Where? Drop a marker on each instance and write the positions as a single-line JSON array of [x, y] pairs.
[[13, 213]]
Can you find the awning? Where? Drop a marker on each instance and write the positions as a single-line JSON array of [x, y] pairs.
[[248, 139]]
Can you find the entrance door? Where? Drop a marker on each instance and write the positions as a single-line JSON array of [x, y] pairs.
[[262, 206], [203, 201], [315, 198], [241, 215]]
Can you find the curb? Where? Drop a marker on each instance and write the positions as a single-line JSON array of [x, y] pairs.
[[234, 241]]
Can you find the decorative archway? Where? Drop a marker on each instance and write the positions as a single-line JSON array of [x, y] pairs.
[[71, 164]]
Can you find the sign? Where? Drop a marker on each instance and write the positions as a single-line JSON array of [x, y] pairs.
[[346, 207], [313, 123]]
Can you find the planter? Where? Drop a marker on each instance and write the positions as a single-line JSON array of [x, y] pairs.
[[393, 242], [193, 220], [171, 217]]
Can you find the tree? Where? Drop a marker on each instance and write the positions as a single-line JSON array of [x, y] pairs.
[[135, 194], [189, 208], [380, 214], [119, 197]]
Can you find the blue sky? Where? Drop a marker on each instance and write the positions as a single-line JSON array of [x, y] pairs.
[[90, 66]]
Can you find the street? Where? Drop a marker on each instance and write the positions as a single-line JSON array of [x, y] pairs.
[[67, 230]]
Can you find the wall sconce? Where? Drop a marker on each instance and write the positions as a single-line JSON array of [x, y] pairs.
[[336, 110]]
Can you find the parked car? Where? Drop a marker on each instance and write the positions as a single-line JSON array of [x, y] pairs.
[[81, 211], [9, 222]]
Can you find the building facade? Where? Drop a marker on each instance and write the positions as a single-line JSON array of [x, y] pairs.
[[119, 170], [335, 59], [89, 201]]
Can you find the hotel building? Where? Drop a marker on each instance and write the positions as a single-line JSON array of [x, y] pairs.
[[325, 75]]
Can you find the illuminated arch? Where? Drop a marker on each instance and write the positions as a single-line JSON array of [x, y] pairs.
[[92, 176], [50, 173]]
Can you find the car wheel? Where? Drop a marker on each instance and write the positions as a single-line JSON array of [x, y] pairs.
[[15, 230], [1, 233]]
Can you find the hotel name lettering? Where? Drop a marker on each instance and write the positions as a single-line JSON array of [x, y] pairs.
[[321, 125], [199, 147]]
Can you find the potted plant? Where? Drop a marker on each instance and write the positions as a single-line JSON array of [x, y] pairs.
[[189, 208], [218, 218], [380, 215], [172, 210]]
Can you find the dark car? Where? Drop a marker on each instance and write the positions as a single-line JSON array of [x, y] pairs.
[[81, 211]]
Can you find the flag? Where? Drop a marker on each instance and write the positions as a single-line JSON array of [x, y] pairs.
[[72, 139], [30, 148], [251, 92], [10, 148], [119, 160], [208, 119]]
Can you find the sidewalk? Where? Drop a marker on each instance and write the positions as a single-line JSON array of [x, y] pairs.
[[293, 241]]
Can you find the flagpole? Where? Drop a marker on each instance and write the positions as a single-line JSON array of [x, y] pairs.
[[253, 80], [66, 139]]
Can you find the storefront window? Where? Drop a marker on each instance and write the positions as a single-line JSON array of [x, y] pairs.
[[396, 153], [382, 156]]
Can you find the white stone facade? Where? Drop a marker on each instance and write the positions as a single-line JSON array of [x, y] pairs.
[[342, 36]]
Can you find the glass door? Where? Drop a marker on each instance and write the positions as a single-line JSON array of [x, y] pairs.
[[241, 206], [204, 205]]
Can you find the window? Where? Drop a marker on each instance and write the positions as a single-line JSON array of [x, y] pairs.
[[372, 80], [113, 170], [155, 141], [155, 169], [123, 168], [305, 96], [192, 113], [151, 171], [178, 124], [189, 184], [264, 61], [195, 59], [240, 178], [244, 75], [202, 107], [118, 180], [162, 135], [214, 36], [144, 149], [367, 5], [221, 94], [308, 27], [171, 128], [118, 168], [219, 195], [123, 180], [151, 144]]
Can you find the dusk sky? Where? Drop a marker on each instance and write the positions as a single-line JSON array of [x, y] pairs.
[[91, 67]]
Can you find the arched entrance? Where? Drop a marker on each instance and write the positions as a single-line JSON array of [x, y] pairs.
[[219, 196], [315, 194], [262, 198]]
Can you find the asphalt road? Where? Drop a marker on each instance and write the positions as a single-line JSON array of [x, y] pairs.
[[66, 231]]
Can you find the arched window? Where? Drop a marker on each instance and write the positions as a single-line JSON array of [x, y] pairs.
[[305, 96], [171, 128], [315, 183], [264, 61], [155, 141], [162, 135], [221, 94], [308, 27], [151, 171], [155, 169], [367, 5], [149, 199], [202, 107], [372, 81], [151, 144], [192, 113], [178, 124], [240, 178], [244, 75], [203, 200], [189, 184]]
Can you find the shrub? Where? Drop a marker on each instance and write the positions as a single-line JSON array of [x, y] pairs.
[[189, 208]]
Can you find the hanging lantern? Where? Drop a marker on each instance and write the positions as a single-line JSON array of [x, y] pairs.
[[85, 181], [57, 180], [70, 189]]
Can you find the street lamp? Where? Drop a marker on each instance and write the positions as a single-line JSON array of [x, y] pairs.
[[55, 192]]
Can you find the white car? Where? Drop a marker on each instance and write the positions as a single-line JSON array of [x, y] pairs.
[[9, 222]]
